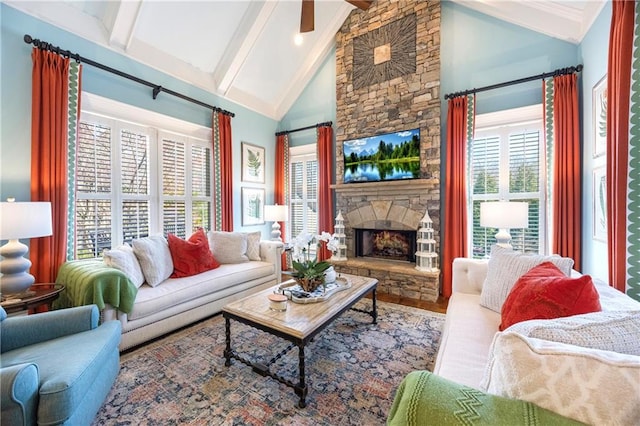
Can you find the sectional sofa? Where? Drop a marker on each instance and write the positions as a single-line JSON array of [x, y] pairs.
[[134, 285], [578, 368]]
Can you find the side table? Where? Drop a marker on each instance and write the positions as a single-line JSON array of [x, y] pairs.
[[43, 294]]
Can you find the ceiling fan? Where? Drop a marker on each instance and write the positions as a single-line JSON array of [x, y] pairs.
[[307, 16]]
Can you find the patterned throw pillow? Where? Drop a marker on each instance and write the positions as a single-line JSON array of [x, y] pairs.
[[154, 257], [589, 385], [505, 267], [546, 293], [192, 256], [608, 331], [253, 245], [228, 247], [125, 260]]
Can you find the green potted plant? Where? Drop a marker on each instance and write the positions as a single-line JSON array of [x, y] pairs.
[[309, 273]]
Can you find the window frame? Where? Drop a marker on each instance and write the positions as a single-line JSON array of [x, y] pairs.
[[504, 123], [118, 115], [304, 154]]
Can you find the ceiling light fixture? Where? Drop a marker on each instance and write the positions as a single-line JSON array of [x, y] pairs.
[[298, 39]]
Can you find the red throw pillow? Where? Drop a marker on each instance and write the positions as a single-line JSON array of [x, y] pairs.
[[545, 293], [191, 257]]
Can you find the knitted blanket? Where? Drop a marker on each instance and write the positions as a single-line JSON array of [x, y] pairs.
[[426, 399], [90, 281]]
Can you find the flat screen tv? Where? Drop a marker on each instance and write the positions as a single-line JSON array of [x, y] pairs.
[[390, 156]]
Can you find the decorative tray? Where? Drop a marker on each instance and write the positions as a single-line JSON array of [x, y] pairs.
[[296, 294]]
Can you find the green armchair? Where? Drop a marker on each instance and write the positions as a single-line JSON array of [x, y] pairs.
[[56, 368]]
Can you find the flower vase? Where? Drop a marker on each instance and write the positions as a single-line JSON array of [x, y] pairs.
[[310, 284], [330, 275]]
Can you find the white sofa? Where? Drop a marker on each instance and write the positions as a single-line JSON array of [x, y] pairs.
[[170, 304], [469, 330]]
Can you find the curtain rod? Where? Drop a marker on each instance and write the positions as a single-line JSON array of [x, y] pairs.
[[559, 71], [286, 132], [156, 88]]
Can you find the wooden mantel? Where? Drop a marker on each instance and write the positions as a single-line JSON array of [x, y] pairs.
[[389, 187]]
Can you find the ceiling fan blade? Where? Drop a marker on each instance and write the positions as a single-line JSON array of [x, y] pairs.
[[306, 17], [361, 4]]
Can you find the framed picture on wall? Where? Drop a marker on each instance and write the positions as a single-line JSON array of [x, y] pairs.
[[252, 163], [599, 107], [600, 203], [252, 206]]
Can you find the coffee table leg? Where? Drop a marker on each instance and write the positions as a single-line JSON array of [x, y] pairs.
[[301, 389], [374, 313], [227, 338]]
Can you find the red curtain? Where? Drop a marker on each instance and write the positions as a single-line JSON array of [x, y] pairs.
[[567, 207], [618, 89], [279, 196], [454, 235], [325, 199], [226, 170], [49, 115]]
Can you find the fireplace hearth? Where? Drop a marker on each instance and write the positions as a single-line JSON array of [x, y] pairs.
[[385, 244]]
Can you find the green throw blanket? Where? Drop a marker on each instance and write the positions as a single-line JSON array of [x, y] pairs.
[[426, 399], [90, 281]]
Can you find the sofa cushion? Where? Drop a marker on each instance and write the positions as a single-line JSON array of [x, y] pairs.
[[228, 247], [466, 338], [69, 367], [588, 385], [505, 267], [154, 257], [546, 293], [124, 259], [609, 331], [253, 245], [192, 256]]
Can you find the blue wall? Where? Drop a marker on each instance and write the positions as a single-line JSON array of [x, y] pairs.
[[593, 51], [15, 100]]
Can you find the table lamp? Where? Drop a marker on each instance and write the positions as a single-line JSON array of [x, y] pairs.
[[276, 214], [504, 215], [20, 220]]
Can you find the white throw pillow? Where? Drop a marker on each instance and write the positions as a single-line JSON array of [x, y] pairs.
[[607, 331], [253, 245], [589, 385], [125, 260], [154, 257], [505, 267], [228, 247]]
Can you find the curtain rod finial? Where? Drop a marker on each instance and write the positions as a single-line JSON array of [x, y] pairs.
[[27, 39]]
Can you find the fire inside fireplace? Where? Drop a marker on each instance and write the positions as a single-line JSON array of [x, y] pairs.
[[386, 244]]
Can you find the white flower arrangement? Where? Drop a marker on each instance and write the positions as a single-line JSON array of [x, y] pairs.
[[310, 272]]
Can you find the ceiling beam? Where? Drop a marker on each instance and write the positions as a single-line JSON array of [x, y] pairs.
[[124, 23], [245, 36]]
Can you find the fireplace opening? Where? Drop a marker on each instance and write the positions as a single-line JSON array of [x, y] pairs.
[[386, 244]]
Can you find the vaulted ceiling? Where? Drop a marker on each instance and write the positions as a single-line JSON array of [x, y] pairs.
[[244, 50]]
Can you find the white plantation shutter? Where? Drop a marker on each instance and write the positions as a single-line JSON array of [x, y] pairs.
[[93, 189], [303, 203], [122, 169], [505, 164]]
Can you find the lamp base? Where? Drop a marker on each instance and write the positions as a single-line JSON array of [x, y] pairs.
[[275, 232], [14, 268], [504, 239]]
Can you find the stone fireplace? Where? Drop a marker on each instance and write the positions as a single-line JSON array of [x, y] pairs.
[[385, 93]]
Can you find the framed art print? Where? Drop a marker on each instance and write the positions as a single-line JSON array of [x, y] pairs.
[[252, 163], [600, 204], [600, 117], [252, 206]]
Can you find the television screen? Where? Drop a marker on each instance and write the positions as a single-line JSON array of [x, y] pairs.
[[390, 156]]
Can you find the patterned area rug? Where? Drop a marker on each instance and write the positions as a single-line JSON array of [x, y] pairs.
[[353, 370]]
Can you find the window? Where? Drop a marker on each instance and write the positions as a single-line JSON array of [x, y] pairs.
[[135, 179], [507, 162], [303, 203]]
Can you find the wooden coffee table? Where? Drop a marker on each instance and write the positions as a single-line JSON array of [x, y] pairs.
[[298, 324]]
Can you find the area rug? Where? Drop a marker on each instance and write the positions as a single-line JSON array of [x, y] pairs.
[[353, 370]]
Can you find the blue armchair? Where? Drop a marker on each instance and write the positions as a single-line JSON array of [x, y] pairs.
[[56, 368]]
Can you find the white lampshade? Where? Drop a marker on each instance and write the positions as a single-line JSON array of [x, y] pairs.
[[276, 213], [504, 214], [25, 220]]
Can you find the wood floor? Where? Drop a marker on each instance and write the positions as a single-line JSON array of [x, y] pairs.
[[438, 306]]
